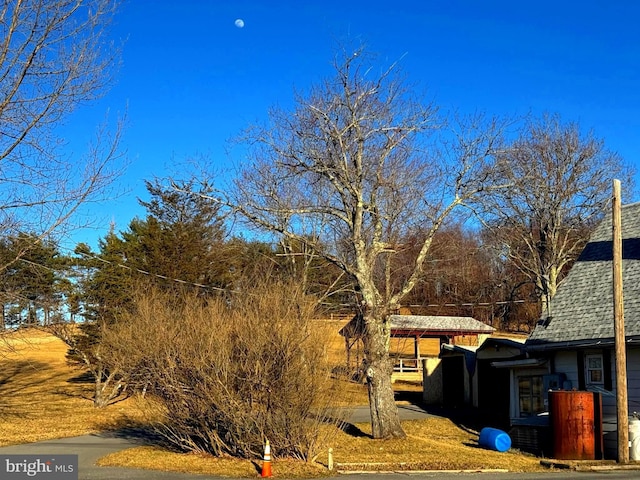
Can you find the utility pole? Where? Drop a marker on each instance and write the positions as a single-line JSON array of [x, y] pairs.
[[622, 407]]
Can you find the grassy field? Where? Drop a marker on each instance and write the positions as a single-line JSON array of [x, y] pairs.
[[41, 398]]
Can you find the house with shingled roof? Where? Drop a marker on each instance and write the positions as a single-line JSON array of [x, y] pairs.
[[572, 346]]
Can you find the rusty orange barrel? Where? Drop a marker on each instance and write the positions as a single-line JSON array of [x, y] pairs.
[[575, 424]]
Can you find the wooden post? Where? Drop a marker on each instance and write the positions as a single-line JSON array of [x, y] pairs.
[[620, 341], [347, 348]]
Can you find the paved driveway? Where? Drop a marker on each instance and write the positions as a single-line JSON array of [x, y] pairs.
[[89, 449], [407, 412]]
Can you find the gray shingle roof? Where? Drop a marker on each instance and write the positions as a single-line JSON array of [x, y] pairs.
[[582, 309], [423, 323], [438, 323]]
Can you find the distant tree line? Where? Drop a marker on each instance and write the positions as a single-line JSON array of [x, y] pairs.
[[485, 270]]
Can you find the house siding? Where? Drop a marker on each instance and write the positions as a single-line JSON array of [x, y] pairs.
[[609, 409], [567, 362]]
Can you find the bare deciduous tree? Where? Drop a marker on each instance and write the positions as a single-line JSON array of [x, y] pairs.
[[344, 174], [561, 186], [53, 57]]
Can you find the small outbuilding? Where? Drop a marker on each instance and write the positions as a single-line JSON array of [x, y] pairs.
[[471, 377], [426, 332]]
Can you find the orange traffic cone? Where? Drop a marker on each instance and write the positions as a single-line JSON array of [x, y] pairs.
[[266, 464]]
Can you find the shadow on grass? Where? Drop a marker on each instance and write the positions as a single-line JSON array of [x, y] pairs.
[[18, 375], [16, 379], [469, 419], [353, 431], [84, 377], [475, 445]]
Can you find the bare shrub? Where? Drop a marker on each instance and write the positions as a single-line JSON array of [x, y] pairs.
[[227, 375]]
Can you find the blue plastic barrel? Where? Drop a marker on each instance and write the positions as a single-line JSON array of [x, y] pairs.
[[494, 439]]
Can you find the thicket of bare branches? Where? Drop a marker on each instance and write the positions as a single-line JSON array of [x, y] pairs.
[[54, 56], [226, 376]]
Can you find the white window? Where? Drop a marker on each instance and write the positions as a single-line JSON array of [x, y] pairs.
[[594, 369], [530, 395]]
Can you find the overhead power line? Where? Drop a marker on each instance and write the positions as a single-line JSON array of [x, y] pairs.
[[144, 272], [226, 290], [468, 304]]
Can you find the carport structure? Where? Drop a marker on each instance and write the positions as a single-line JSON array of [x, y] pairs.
[[439, 329]]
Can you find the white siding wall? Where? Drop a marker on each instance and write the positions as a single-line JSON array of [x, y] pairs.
[[567, 363]]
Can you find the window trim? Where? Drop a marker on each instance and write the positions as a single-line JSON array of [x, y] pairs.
[[530, 376], [606, 365], [588, 370]]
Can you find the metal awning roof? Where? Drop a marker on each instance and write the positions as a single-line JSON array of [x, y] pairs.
[[524, 362]]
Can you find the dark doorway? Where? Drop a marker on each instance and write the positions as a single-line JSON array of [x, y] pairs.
[[453, 381], [494, 392]]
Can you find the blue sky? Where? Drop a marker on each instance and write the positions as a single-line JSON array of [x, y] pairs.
[[191, 79]]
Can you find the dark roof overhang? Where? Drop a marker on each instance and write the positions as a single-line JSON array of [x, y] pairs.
[[540, 346], [519, 363]]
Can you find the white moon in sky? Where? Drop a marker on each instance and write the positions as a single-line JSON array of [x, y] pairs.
[[239, 23]]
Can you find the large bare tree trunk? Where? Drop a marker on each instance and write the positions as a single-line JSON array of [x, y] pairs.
[[385, 420]]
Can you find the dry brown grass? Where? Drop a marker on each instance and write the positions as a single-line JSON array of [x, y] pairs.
[[432, 444], [435, 443], [159, 459], [41, 398]]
